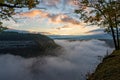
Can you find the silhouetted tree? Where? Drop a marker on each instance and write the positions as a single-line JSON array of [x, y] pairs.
[[7, 8], [103, 13]]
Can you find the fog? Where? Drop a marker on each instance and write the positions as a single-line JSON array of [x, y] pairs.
[[76, 60]]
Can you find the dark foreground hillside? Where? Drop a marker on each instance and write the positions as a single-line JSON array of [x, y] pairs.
[[26, 45], [109, 69]]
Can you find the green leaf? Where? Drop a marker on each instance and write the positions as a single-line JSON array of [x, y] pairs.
[[2, 1]]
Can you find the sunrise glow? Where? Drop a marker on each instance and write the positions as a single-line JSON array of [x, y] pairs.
[[58, 18]]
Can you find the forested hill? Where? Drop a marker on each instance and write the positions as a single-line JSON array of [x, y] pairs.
[[26, 44]]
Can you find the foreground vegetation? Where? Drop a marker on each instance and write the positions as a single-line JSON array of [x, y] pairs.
[[109, 69]]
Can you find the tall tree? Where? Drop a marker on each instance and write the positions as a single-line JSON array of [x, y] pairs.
[[103, 13], [8, 7]]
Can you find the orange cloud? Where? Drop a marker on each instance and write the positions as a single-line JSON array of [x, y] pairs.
[[73, 2], [34, 13], [53, 18], [62, 18]]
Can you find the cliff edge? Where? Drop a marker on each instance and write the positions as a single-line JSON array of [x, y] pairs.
[[109, 69]]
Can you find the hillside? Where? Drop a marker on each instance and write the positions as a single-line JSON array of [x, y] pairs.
[[109, 69], [26, 45]]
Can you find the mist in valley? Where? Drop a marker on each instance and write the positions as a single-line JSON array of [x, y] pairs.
[[74, 62]]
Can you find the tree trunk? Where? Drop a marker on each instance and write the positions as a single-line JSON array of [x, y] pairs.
[[117, 36], [114, 39], [117, 31]]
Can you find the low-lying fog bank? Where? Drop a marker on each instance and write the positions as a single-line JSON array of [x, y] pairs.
[[77, 59]]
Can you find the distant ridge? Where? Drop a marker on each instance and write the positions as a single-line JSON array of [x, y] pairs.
[[26, 45]]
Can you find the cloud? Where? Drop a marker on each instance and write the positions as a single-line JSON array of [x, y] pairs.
[[50, 2], [57, 2], [62, 18], [34, 13], [66, 2], [65, 26], [56, 24], [73, 2], [54, 18], [77, 59], [97, 31]]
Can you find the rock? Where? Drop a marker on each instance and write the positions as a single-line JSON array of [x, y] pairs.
[[26, 44]]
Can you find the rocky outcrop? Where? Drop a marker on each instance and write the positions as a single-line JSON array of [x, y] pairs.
[[26, 45]]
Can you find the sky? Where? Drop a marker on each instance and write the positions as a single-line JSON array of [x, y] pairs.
[[56, 18]]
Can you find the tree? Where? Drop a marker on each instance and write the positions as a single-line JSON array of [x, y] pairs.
[[7, 8], [103, 13]]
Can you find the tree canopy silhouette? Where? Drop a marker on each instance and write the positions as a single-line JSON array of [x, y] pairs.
[[8, 7], [103, 13]]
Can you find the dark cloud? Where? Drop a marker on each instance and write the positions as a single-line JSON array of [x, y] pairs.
[[65, 26]]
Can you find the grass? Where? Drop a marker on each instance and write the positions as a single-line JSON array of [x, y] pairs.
[[109, 69]]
